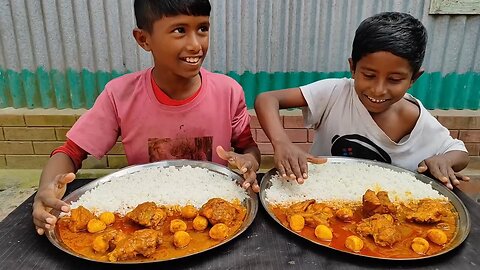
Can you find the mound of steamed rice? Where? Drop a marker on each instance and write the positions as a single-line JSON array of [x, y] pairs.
[[165, 186], [347, 182]]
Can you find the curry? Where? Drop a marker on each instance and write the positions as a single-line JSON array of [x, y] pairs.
[[150, 232], [376, 227]]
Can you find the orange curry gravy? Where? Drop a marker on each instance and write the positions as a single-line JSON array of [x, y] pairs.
[[81, 242], [402, 249]]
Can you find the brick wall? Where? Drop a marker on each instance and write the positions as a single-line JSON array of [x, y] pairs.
[[27, 137]]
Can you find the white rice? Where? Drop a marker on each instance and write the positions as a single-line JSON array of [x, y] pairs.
[[165, 186], [347, 182]]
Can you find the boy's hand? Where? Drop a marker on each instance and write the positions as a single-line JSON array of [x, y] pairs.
[[291, 161], [47, 198], [247, 164], [440, 168]]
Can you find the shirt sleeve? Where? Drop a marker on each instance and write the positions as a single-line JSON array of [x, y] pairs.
[[76, 153], [241, 133], [318, 95], [97, 130]]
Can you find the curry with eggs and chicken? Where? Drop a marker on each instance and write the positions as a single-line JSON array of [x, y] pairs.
[[376, 227], [150, 232]]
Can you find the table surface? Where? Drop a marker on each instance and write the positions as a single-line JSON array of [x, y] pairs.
[[264, 245]]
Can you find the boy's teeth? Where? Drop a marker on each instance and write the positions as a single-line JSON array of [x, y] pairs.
[[376, 100], [192, 59]]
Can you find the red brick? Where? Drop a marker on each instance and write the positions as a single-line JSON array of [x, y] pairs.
[[311, 135], [265, 148], [473, 148], [254, 122], [293, 122], [460, 122], [454, 133], [261, 136], [469, 135]]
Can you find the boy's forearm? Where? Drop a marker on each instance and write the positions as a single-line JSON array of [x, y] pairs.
[[59, 163], [267, 109], [458, 159]]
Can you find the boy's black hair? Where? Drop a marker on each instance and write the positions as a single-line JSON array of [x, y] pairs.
[[398, 33], [149, 11]]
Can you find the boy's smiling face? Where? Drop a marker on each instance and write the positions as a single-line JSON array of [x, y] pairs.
[[179, 44], [381, 79]]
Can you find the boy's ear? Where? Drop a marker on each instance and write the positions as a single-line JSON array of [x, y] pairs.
[[352, 68], [418, 74], [142, 38]]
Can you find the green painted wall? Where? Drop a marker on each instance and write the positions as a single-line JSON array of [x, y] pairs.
[[73, 89]]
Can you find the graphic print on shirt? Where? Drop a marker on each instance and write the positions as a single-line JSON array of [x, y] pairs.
[[355, 145], [198, 148]]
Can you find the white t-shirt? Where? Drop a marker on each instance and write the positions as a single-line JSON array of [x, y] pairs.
[[344, 127]]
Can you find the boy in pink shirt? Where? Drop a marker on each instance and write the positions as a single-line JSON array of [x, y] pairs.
[[175, 110]]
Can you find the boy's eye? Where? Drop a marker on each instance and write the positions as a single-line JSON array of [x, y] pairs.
[[370, 76], [180, 30], [396, 80], [204, 29]]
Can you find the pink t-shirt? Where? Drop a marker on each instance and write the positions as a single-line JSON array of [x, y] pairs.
[[152, 131]]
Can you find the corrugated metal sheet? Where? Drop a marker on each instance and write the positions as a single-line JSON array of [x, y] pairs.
[[61, 53]]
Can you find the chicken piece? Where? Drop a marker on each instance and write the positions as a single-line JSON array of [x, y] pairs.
[[218, 210], [79, 219], [148, 214], [323, 232], [142, 242], [344, 214], [219, 231], [299, 207], [107, 241], [437, 236], [200, 223], [377, 203], [313, 213], [181, 239], [420, 245], [428, 211], [354, 243], [382, 228]]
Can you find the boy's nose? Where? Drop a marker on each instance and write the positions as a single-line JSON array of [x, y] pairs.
[[379, 89], [194, 44]]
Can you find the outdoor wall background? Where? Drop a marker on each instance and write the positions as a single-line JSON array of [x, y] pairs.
[[60, 54]]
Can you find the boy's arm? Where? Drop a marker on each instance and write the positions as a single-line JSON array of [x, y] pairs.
[[55, 176], [290, 160]]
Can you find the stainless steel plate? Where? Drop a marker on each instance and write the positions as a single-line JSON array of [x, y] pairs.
[[250, 203], [463, 221]]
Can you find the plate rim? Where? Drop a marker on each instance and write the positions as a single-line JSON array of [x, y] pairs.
[[442, 189], [251, 203]]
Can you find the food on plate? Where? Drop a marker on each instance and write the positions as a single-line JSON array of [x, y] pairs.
[[181, 239], [420, 245], [107, 218], [365, 209], [189, 211], [200, 223], [296, 222], [109, 223], [96, 225], [177, 225], [324, 233], [437, 236], [354, 243], [219, 231]]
